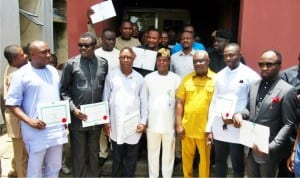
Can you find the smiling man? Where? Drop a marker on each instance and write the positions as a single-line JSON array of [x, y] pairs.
[[161, 85], [272, 103], [192, 103], [82, 82], [37, 83], [232, 81], [126, 94]]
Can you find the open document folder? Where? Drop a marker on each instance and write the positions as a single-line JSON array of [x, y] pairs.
[[248, 134], [252, 133], [130, 124]]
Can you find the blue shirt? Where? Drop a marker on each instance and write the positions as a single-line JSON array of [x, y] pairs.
[[178, 47], [29, 87]]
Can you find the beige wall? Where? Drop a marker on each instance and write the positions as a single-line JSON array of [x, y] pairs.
[[30, 31], [9, 34], [60, 31], [62, 43]]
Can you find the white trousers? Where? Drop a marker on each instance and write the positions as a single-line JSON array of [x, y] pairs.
[[45, 163], [154, 141]]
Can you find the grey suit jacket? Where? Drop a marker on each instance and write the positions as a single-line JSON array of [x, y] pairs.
[[278, 115]]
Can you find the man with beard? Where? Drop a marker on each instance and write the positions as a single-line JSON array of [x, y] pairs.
[[272, 103], [126, 39], [216, 56]]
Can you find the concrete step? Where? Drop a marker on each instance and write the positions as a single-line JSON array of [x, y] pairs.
[[141, 169]]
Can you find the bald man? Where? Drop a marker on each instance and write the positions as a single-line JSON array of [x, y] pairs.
[[272, 103], [35, 83], [192, 103], [233, 81]]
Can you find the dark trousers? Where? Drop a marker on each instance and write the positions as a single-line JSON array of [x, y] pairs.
[[85, 152], [125, 157], [222, 150], [286, 153], [267, 169], [283, 171]]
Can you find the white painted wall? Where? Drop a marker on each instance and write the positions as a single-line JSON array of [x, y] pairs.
[[16, 29], [9, 33]]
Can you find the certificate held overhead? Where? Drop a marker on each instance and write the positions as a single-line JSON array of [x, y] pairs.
[[102, 11]]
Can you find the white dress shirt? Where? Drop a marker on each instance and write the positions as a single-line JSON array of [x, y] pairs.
[[112, 57], [125, 95], [161, 93], [234, 82], [29, 87]]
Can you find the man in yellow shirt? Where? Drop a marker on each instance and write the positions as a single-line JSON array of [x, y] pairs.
[[193, 99]]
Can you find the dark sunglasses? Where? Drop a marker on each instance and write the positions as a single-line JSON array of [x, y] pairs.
[[268, 64], [80, 45]]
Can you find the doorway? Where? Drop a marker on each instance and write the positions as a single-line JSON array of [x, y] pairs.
[[207, 17]]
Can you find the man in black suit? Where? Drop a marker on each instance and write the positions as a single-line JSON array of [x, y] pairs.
[[272, 103], [292, 76]]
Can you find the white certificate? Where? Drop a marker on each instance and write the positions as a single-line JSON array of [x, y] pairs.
[[145, 59], [225, 104], [97, 113], [103, 11], [56, 113], [130, 124], [231, 134], [252, 133]]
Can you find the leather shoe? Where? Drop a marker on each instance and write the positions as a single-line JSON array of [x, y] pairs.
[[177, 161], [102, 161], [65, 170], [12, 173]]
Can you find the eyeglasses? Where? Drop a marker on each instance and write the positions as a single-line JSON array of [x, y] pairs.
[[80, 45], [125, 57], [268, 64]]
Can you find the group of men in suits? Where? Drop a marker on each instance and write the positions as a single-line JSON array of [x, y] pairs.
[[266, 100]]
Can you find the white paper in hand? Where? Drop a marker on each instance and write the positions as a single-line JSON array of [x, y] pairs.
[[253, 133], [103, 11]]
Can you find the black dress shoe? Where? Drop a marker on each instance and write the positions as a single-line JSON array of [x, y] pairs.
[[177, 161], [12, 173], [102, 161]]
